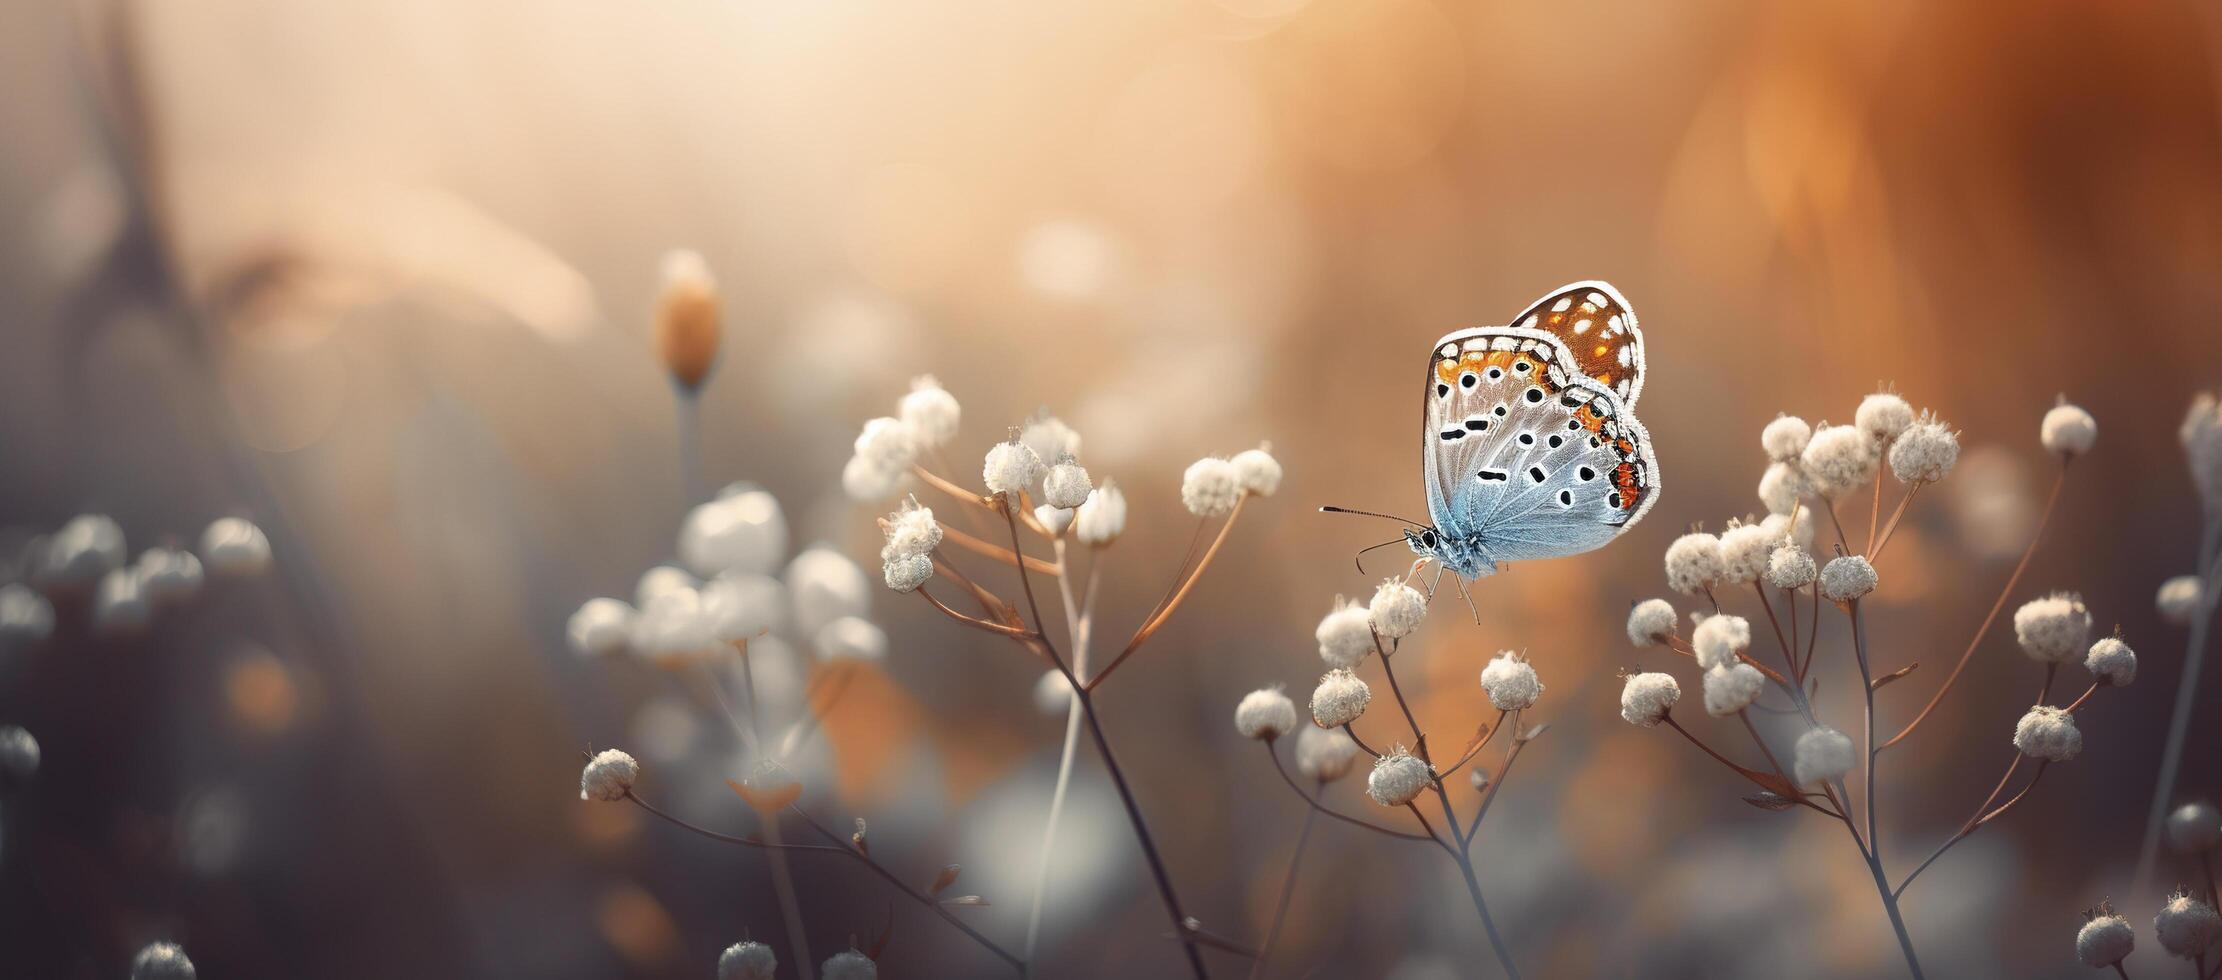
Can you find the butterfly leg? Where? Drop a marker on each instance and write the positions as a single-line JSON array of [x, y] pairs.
[[1468, 595]]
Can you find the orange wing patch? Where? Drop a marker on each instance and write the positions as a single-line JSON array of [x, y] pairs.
[[1520, 364], [1599, 332]]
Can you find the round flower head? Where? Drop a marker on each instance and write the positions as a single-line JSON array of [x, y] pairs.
[[1324, 756], [1345, 635], [2194, 828], [1651, 622], [1823, 755], [660, 580], [600, 628], [867, 481], [161, 961], [1055, 519], [2202, 448], [747, 961], [233, 546], [2105, 940], [1925, 453], [2111, 662], [169, 575], [2055, 629], [1839, 458], [1396, 609], [851, 638], [686, 318], [2068, 430], [2178, 599], [2048, 733], [1265, 714], [89, 546], [1744, 549], [744, 607], [1011, 467], [911, 530], [1719, 639], [1781, 487], [905, 574], [1101, 520], [1847, 578], [1883, 416], [1646, 698], [120, 605], [1510, 682], [825, 585], [932, 413], [1209, 488], [1693, 563], [19, 754], [1784, 438], [744, 532], [608, 776], [1731, 689], [1792, 528], [849, 965], [1339, 699], [1053, 693], [1257, 472], [887, 442], [1049, 437], [1398, 778], [1066, 484], [24, 614], [1790, 567], [2186, 926]]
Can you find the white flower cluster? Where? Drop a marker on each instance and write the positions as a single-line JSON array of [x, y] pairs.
[[1212, 486], [886, 448], [88, 554], [1398, 778], [747, 961]]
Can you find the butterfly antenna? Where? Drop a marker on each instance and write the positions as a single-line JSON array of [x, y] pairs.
[[1360, 557], [1368, 513]]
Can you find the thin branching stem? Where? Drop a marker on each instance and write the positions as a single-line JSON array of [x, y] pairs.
[[1974, 824], [1288, 892], [998, 552], [1875, 553], [1361, 743], [1157, 619], [1336, 814]]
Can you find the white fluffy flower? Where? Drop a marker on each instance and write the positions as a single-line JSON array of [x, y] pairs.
[[1398, 778], [1781, 487], [1883, 416], [1646, 698], [851, 638], [86, 548], [2178, 599], [1054, 519], [1744, 549], [869, 482], [1066, 484], [748, 961], [1340, 699], [1650, 622], [1345, 635], [2194, 828], [907, 573], [161, 961], [1719, 639], [1257, 472], [744, 607], [1396, 609], [1049, 437], [19, 754], [608, 776], [1011, 467], [2055, 629], [1790, 567], [740, 532], [673, 626], [1693, 563], [1731, 689], [2186, 926], [1209, 488], [2111, 662], [2048, 733], [825, 585], [931, 412], [659, 580], [1265, 714], [169, 575], [1324, 756], [1847, 578], [1785, 438], [2068, 430], [600, 628], [887, 442], [1925, 453], [911, 530], [1102, 519], [1839, 458], [2105, 940], [120, 605], [1510, 682], [24, 614], [1823, 755], [2202, 448], [1053, 693], [849, 965], [1786, 530]]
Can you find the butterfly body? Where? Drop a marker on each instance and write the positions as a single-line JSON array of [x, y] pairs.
[[1532, 447]]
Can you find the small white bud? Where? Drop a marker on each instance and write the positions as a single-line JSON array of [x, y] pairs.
[[743, 607], [2055, 629], [1781, 487], [2105, 940], [1847, 578], [1784, 438], [1925, 453], [2186, 926], [2177, 601], [1053, 693], [1719, 639], [24, 614], [1790, 567], [1209, 488], [1839, 458], [1823, 755], [169, 575], [1398, 778], [1257, 472], [674, 626], [824, 585], [1066, 484], [233, 546], [660, 580], [2194, 828], [2048, 733], [1054, 519], [2068, 430], [2111, 662], [86, 548], [1744, 549], [868, 481], [1883, 416], [1324, 756], [743, 533], [1340, 699], [911, 530], [1102, 519], [851, 638], [906, 574], [1265, 714], [1345, 634], [1646, 698], [608, 776], [120, 606], [1510, 682], [1693, 563], [887, 443], [1011, 467], [849, 965], [19, 754], [1651, 622], [161, 961], [1049, 437], [600, 628], [747, 961], [1396, 609], [932, 413], [1731, 689], [1787, 531]]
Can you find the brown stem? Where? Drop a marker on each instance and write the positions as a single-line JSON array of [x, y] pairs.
[[1975, 823], [1875, 512], [996, 628], [1323, 808], [2085, 696], [1368, 749], [1479, 744], [997, 552], [1876, 552], [1157, 619], [1288, 891]]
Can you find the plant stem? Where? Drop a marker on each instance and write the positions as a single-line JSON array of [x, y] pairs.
[[1079, 619], [1288, 891], [1488, 925], [2187, 695], [1874, 831], [689, 424]]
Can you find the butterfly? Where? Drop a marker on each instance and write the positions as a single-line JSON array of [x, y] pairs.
[[1532, 447]]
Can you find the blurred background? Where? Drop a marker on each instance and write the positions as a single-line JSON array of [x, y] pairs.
[[378, 277]]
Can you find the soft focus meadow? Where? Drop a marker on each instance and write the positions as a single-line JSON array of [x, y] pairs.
[[409, 409]]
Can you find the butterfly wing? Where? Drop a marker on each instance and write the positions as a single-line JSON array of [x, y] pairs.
[[1598, 329]]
